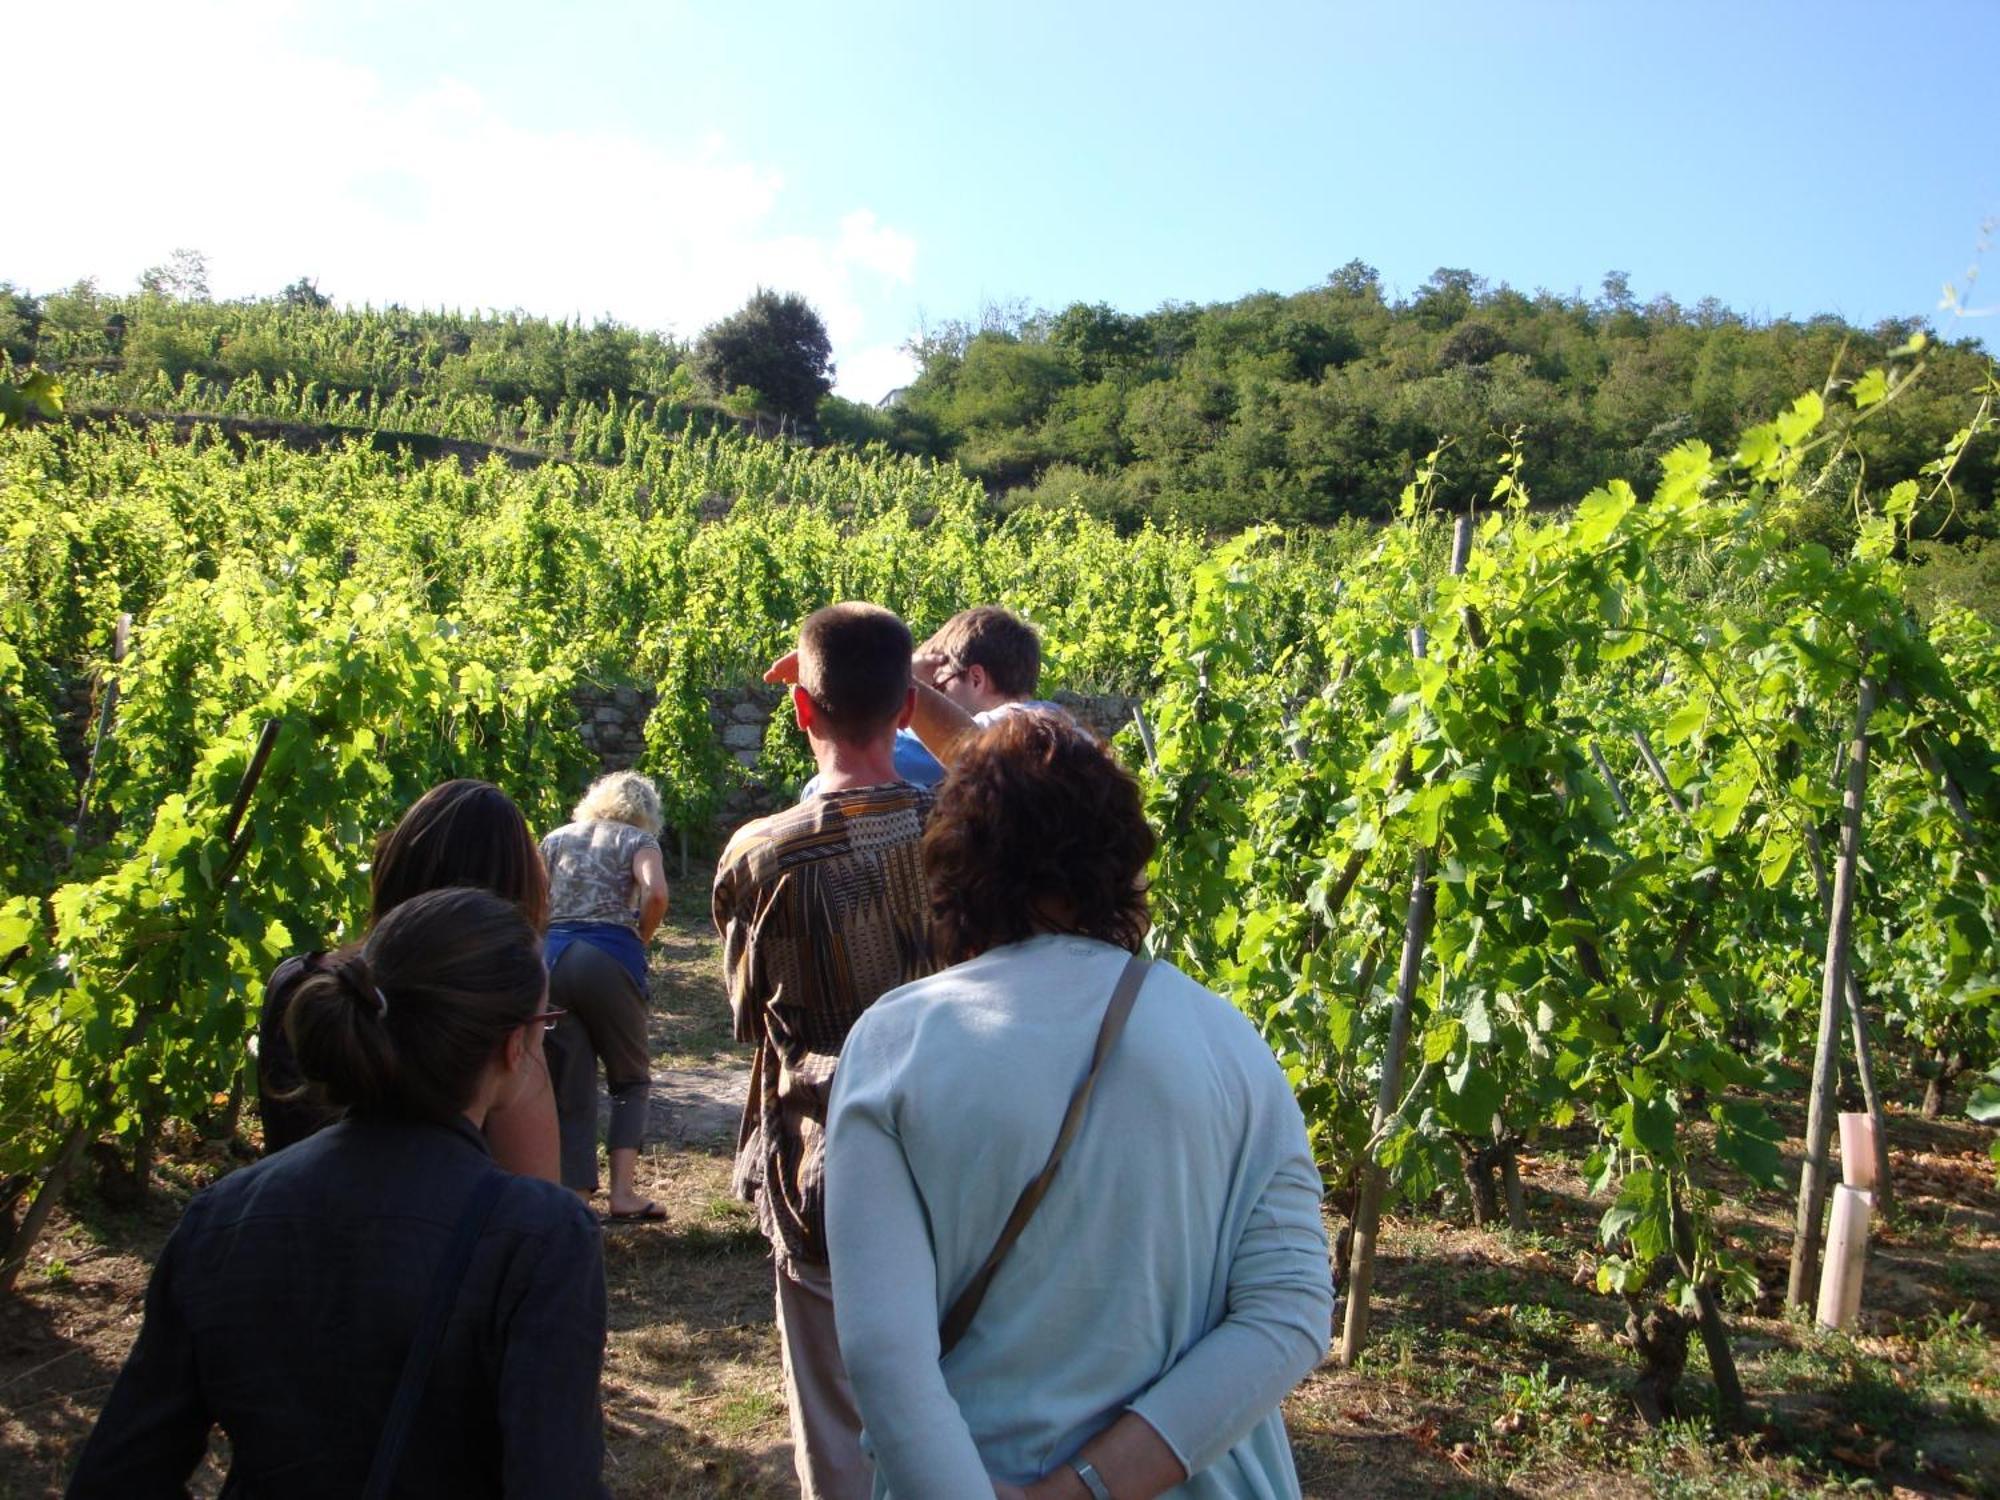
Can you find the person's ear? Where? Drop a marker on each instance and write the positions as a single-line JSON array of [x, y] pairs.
[[980, 682], [802, 708], [514, 1077], [512, 1058], [909, 708]]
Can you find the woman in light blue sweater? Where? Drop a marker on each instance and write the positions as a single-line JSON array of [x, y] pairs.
[[1174, 1283]]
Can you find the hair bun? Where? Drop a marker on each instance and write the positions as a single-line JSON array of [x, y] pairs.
[[461, 970], [359, 981]]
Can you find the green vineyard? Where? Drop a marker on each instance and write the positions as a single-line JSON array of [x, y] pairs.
[[1514, 831]]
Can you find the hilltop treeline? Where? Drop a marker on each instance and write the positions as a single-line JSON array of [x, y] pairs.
[[1320, 404], [1300, 408]]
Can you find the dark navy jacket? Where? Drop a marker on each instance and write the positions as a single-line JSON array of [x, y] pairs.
[[283, 1306]]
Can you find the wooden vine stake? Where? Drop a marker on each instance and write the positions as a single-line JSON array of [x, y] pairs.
[[1864, 1052], [1814, 1175], [121, 641], [1368, 1210], [1416, 937]]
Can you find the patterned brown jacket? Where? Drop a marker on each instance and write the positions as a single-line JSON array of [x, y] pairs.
[[822, 910]]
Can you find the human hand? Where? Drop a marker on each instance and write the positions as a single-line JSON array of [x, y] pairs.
[[925, 667], [784, 669]]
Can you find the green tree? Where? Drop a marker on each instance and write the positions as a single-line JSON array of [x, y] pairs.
[[182, 277], [776, 345], [1357, 279], [1446, 298], [1472, 342], [599, 363], [1098, 338], [305, 293], [20, 322]]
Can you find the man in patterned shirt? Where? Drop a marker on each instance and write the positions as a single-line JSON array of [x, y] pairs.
[[821, 909]]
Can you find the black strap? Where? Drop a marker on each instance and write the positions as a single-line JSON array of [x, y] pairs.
[[959, 1317], [445, 1282]]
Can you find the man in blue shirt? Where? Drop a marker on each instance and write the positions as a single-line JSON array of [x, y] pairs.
[[987, 661]]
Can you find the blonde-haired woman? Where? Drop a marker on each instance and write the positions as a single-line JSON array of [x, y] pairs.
[[607, 894]]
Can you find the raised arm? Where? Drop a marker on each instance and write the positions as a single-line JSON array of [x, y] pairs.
[[941, 724]]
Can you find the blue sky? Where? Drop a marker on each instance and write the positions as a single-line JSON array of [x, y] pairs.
[[904, 163]]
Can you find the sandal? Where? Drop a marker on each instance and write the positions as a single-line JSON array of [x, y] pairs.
[[652, 1213]]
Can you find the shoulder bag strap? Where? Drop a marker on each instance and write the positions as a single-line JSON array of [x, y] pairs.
[[445, 1282], [959, 1317]]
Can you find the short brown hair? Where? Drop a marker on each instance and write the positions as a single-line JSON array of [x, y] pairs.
[[1036, 829], [404, 1022], [1004, 644], [854, 663], [460, 833]]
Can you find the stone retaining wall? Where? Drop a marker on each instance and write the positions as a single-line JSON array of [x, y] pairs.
[[612, 723]]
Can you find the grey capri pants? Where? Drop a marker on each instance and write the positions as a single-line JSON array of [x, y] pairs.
[[606, 1020]]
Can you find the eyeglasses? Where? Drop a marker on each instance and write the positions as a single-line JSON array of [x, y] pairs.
[[548, 1018]]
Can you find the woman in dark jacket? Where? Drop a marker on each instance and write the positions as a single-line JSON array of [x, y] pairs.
[[290, 1305], [461, 832]]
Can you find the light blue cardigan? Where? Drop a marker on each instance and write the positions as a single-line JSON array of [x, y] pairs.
[[1178, 1266]]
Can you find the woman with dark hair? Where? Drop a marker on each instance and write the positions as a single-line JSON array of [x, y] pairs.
[[1131, 1326], [459, 833], [380, 1309]]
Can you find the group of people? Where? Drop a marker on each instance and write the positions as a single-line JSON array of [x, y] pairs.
[[1021, 1247]]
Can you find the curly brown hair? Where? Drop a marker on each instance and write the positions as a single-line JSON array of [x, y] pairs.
[[1037, 829]]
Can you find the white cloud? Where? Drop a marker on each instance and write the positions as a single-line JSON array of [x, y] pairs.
[[870, 374], [230, 137], [876, 246]]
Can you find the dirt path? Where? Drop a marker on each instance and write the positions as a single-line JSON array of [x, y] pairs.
[[698, 1105], [693, 1396]]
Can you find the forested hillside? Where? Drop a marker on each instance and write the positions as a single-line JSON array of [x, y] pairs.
[[1319, 404]]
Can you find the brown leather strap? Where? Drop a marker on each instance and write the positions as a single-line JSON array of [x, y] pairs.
[[959, 1317]]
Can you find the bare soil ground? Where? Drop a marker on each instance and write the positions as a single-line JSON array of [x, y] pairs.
[[1496, 1369]]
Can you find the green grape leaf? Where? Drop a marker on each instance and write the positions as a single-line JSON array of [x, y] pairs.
[[1870, 389], [1683, 722], [1478, 1023], [1747, 1138], [1600, 512]]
